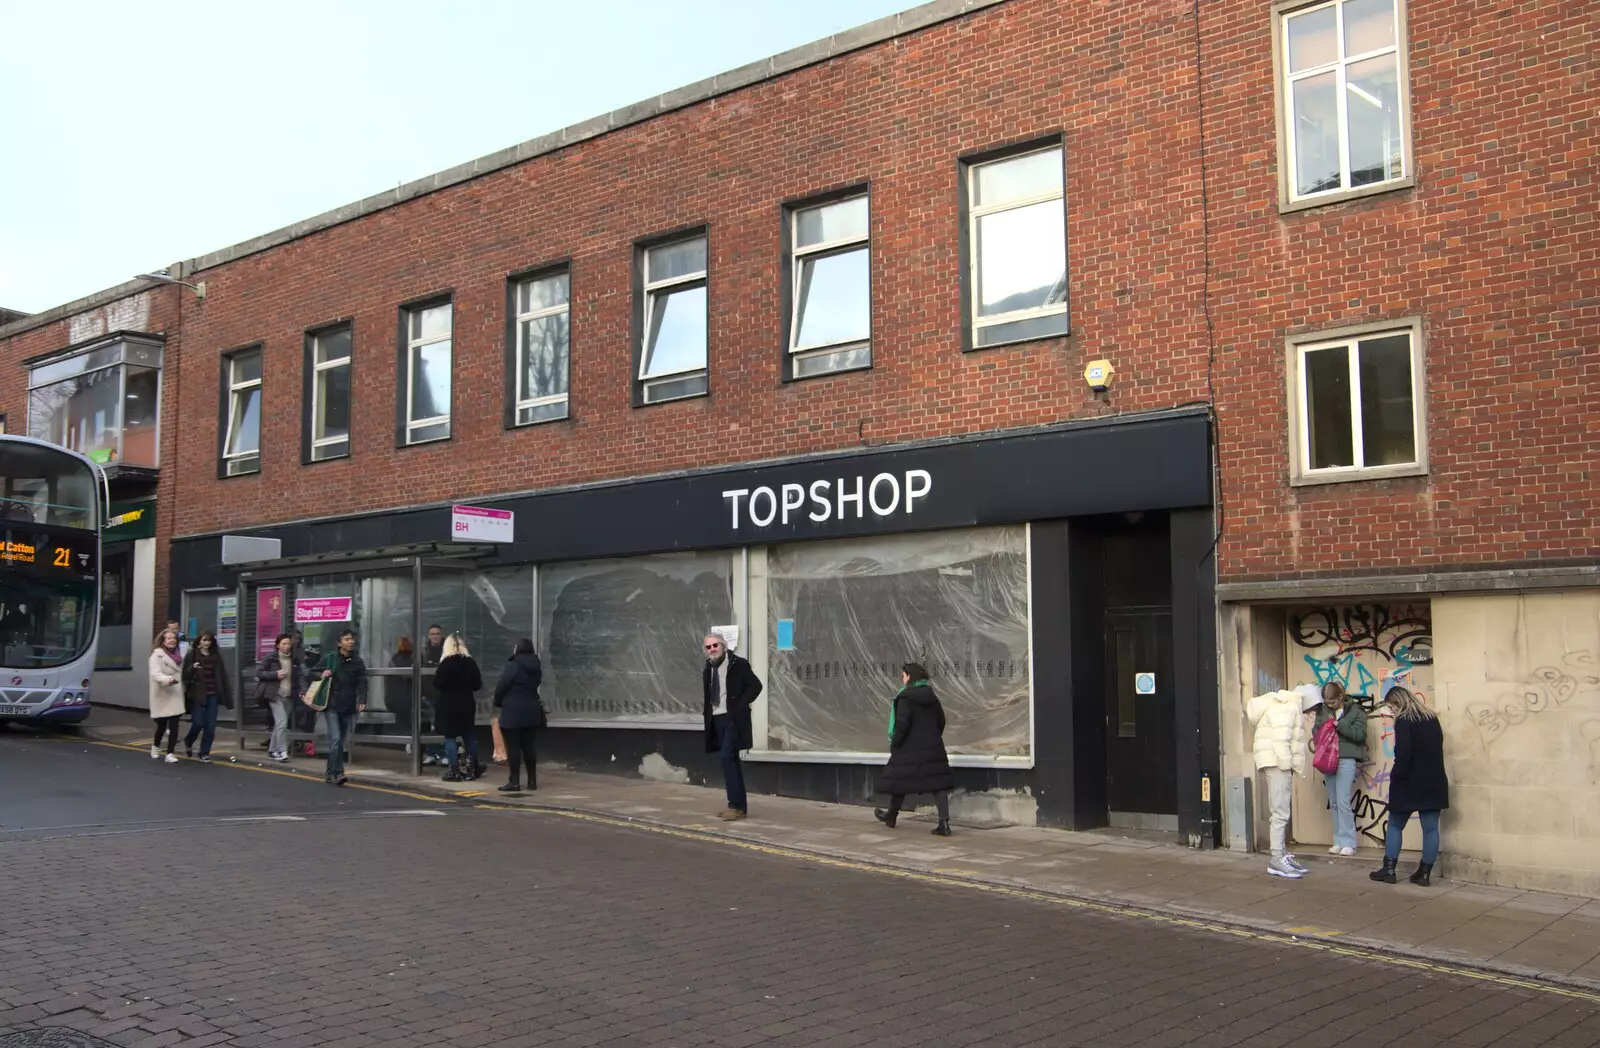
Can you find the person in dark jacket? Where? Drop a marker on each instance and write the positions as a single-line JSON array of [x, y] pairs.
[[730, 687], [1351, 727], [397, 690], [917, 761], [431, 653], [516, 696], [279, 686], [455, 709], [346, 677], [205, 687], [1417, 783]]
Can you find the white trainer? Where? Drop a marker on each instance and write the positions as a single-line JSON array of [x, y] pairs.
[[155, 753], [1347, 851], [171, 758], [1281, 868]]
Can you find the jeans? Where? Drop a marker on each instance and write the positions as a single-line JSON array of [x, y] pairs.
[[1339, 785], [341, 729], [450, 750], [519, 748], [203, 718], [728, 752], [1280, 794], [278, 741], [1397, 826]]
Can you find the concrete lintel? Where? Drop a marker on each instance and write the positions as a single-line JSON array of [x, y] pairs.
[[1508, 580]]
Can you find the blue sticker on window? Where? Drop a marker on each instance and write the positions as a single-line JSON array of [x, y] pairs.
[[785, 634]]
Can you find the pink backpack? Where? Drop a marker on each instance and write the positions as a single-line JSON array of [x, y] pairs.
[[1325, 747]]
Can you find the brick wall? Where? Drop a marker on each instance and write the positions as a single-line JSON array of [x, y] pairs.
[[1494, 249]]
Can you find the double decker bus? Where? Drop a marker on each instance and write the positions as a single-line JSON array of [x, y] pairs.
[[52, 506]]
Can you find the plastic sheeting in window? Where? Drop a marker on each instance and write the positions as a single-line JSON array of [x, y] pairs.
[[620, 639], [955, 601]]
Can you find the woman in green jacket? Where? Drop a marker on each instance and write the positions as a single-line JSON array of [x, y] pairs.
[[1352, 728]]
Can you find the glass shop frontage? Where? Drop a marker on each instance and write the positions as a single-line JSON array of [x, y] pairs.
[[1055, 582]]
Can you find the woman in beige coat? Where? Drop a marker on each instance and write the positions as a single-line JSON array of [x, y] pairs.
[[166, 693]]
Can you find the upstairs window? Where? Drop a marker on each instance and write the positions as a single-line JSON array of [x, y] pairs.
[[425, 410], [326, 422], [1357, 405], [542, 364], [673, 318], [102, 401], [241, 443], [1342, 100], [1017, 243], [830, 292]]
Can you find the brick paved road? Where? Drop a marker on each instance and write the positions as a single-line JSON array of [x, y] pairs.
[[479, 927]]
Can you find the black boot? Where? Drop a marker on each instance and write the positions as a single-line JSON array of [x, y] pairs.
[[510, 787], [943, 829], [1386, 875], [1424, 874], [885, 817]]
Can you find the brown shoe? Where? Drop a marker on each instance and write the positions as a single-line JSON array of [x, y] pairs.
[[731, 814]]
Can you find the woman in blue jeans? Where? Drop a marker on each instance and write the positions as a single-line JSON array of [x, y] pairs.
[[1351, 727], [1417, 783], [205, 688]]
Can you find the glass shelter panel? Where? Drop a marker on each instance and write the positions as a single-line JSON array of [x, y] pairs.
[[620, 639], [848, 614]]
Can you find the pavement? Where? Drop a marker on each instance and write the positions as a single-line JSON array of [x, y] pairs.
[[1503, 934], [195, 906]]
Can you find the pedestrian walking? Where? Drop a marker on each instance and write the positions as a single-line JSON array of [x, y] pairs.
[[183, 642], [917, 760], [346, 677], [516, 696], [1279, 748], [730, 687], [205, 690], [1349, 722], [1417, 783], [455, 709], [166, 694], [279, 683]]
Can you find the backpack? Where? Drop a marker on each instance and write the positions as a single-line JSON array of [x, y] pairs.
[[1325, 747]]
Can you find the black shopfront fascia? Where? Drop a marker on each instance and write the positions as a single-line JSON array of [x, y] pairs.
[[1154, 462]]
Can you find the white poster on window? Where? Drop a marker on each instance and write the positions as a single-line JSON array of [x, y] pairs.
[[227, 622]]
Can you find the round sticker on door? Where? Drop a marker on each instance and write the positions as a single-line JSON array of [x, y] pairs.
[[1144, 683]]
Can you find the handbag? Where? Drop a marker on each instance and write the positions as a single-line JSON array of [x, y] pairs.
[[1325, 751], [316, 696]]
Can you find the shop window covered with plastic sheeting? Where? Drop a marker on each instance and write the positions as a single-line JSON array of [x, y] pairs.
[[847, 614], [621, 638]]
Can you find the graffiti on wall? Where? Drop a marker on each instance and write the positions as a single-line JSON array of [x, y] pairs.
[[1359, 645], [1550, 687]]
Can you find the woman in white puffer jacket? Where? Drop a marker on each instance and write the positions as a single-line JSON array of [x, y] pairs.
[[1278, 718]]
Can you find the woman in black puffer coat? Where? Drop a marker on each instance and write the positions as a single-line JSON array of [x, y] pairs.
[[521, 712], [917, 761], [455, 711]]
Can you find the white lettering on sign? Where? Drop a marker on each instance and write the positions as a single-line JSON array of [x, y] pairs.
[[885, 494], [481, 525]]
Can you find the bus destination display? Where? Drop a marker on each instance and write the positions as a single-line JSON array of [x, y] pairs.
[[43, 554]]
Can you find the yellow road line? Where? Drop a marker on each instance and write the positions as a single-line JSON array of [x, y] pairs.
[[1320, 942], [140, 747]]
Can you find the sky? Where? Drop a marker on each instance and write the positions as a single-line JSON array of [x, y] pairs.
[[133, 136]]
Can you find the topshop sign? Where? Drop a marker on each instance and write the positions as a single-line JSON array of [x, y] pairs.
[[883, 495]]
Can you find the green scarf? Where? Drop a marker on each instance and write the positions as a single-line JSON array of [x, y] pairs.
[[896, 701]]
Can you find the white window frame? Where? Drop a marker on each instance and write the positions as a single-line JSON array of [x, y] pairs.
[[974, 213], [234, 462], [414, 344], [318, 367], [650, 291], [797, 258], [1296, 347], [1289, 197], [565, 308]]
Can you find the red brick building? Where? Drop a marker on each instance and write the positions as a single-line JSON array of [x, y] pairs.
[[1340, 259]]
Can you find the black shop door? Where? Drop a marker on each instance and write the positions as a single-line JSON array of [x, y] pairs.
[[1141, 724]]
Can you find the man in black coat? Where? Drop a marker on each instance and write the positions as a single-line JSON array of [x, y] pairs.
[[730, 687]]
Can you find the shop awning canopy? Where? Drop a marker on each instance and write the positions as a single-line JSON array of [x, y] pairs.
[[336, 561]]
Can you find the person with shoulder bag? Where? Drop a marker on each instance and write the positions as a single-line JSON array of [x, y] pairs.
[[522, 714], [1338, 744], [279, 682], [344, 676]]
